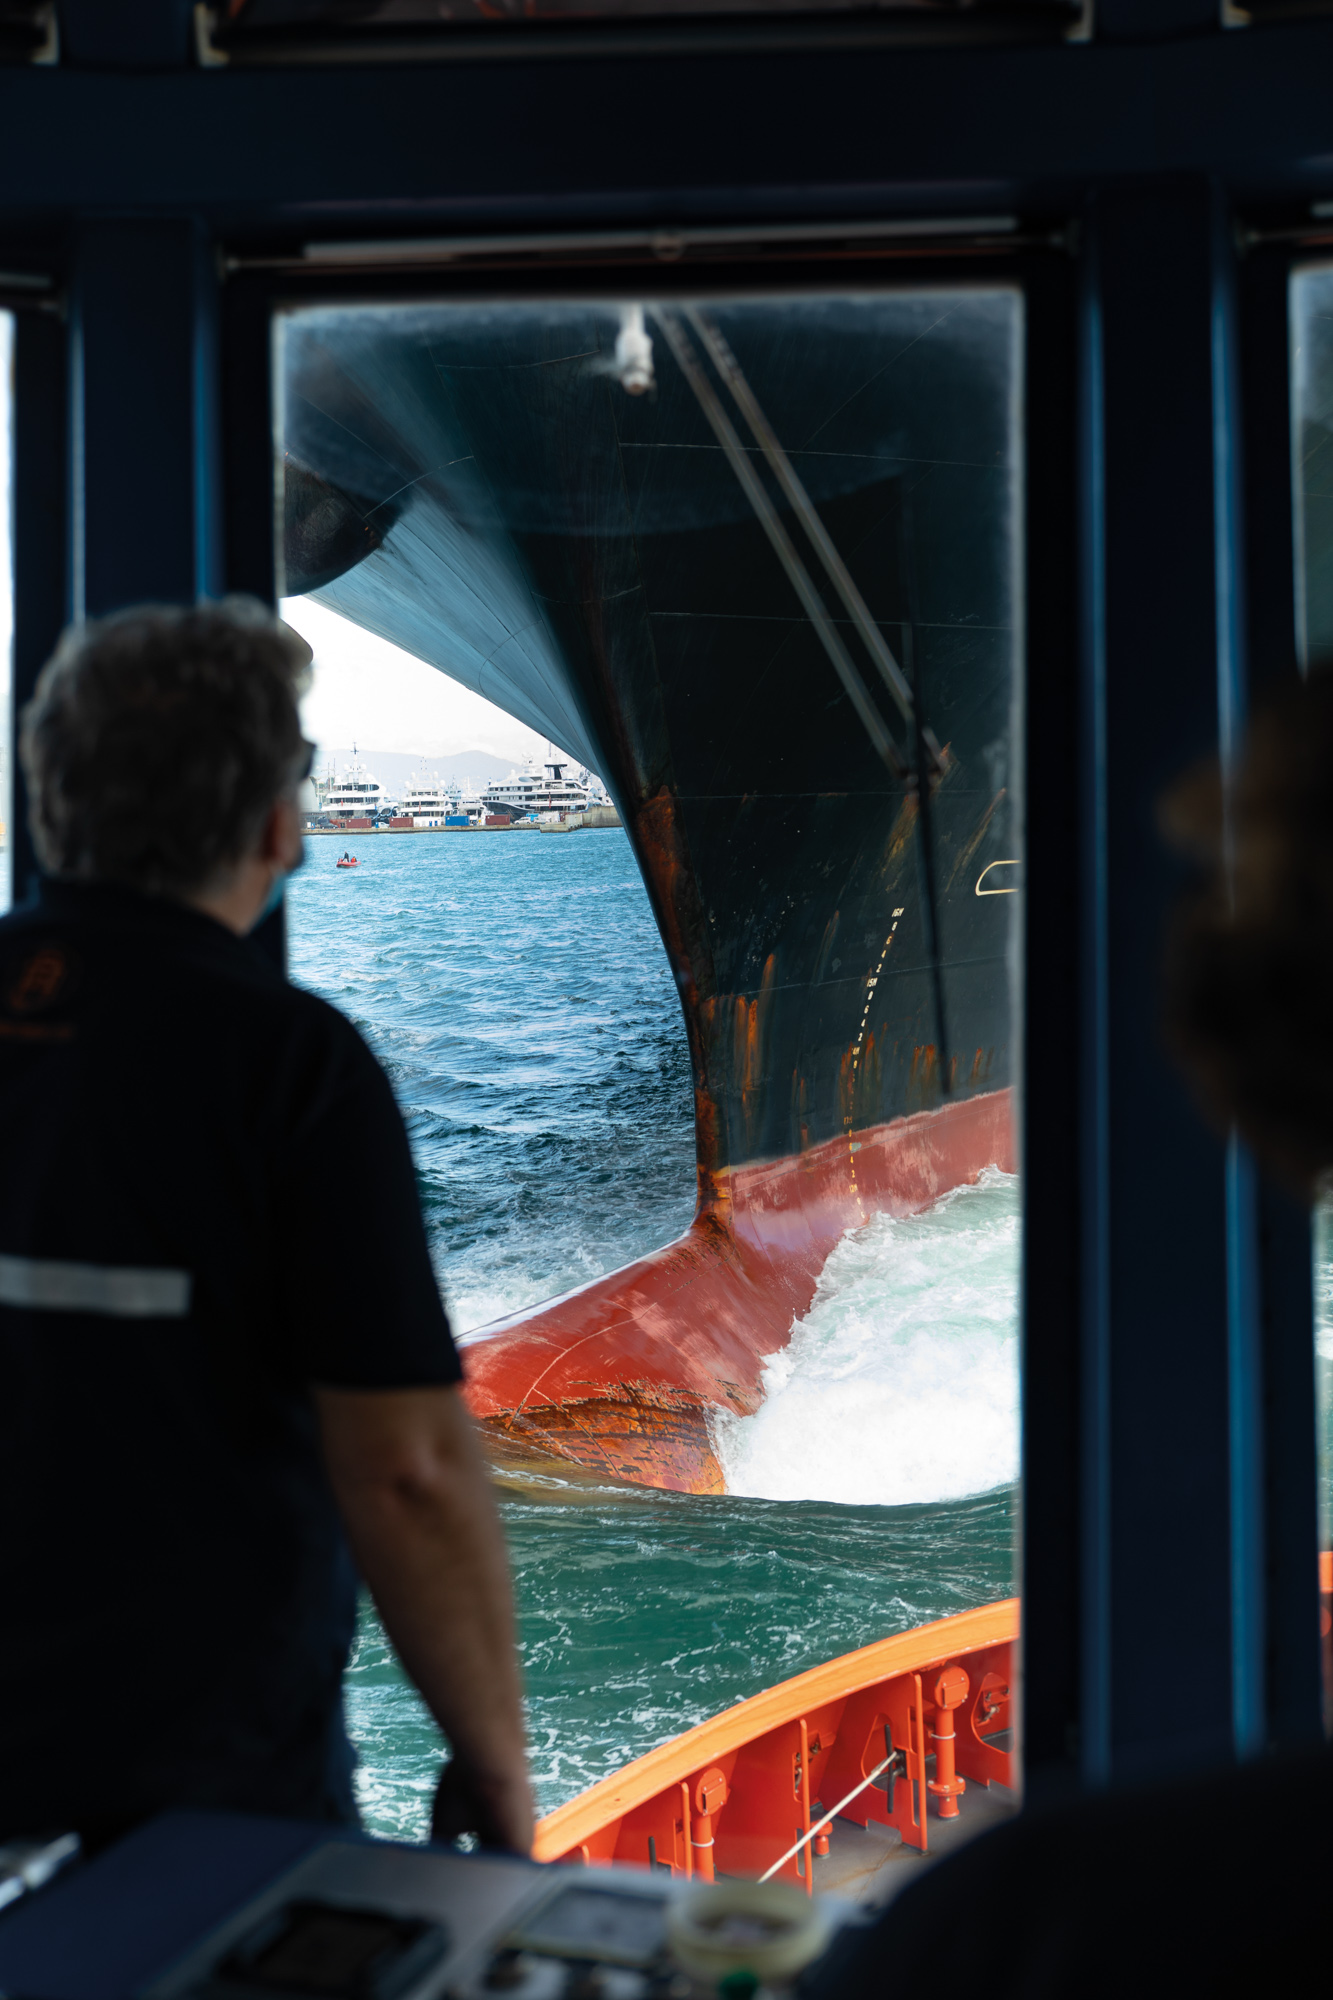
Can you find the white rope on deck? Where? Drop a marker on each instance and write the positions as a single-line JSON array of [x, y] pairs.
[[820, 1824]]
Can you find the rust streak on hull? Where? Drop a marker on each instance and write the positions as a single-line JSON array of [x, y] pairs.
[[628, 1433]]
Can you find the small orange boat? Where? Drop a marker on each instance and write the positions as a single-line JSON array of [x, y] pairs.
[[828, 1779], [347, 861]]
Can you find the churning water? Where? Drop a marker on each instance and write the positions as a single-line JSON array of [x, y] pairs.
[[515, 989], [900, 1385]]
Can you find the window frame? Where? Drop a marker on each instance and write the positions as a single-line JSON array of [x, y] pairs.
[[1040, 263]]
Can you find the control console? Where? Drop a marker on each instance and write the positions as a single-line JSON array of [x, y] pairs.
[[357, 1920]]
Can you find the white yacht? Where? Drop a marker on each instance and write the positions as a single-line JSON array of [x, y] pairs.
[[541, 788], [428, 801], [357, 794]]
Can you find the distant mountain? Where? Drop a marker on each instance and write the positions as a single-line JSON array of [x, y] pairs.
[[394, 768]]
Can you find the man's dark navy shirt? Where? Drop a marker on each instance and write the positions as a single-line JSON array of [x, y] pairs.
[[207, 1204]]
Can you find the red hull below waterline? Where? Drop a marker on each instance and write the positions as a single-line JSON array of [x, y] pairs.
[[620, 1376]]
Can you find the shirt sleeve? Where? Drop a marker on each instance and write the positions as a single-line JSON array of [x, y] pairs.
[[361, 1296]]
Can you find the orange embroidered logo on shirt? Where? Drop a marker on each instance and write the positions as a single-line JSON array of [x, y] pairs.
[[40, 982], [43, 979]]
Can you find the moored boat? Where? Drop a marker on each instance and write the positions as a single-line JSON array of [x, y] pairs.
[[354, 798], [540, 788], [429, 801]]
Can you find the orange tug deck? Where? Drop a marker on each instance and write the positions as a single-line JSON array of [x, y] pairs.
[[902, 1748], [843, 1779]]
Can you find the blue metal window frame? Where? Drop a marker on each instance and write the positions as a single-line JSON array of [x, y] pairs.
[[1169, 1523]]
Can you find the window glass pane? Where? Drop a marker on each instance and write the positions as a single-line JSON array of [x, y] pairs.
[[6, 610], [754, 565], [1311, 318], [1324, 1394], [1312, 458]]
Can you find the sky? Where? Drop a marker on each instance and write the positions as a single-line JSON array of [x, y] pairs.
[[370, 693], [364, 690]]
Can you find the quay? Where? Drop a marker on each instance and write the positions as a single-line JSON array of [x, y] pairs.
[[368, 832], [595, 816]]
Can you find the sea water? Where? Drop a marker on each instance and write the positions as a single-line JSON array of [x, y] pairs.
[[516, 990], [514, 987]]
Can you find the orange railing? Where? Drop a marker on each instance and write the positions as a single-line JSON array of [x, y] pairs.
[[747, 1792], [743, 1793]]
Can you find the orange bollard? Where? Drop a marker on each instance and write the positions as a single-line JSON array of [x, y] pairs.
[[710, 1795], [949, 1692]]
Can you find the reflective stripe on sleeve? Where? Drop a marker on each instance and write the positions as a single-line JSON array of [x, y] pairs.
[[46, 1286]]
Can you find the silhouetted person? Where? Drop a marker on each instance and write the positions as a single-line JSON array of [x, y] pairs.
[[220, 1397], [1219, 1884]]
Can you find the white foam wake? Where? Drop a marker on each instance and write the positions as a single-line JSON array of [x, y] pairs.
[[901, 1382]]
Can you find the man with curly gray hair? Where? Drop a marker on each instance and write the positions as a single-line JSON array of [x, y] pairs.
[[227, 1382], [159, 743]]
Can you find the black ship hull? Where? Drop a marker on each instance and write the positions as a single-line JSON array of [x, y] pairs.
[[476, 485]]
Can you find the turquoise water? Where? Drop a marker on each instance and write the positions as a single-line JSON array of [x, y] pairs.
[[515, 988], [641, 1615]]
